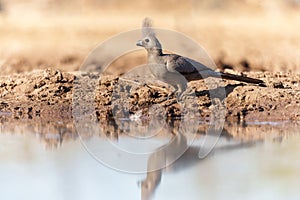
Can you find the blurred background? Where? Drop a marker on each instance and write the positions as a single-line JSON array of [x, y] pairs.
[[242, 35]]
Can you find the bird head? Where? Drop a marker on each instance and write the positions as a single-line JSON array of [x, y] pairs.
[[149, 40]]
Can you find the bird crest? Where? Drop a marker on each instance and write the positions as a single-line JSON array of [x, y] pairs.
[[147, 28]]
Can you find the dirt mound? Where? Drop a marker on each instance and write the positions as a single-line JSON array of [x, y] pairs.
[[36, 93], [52, 93]]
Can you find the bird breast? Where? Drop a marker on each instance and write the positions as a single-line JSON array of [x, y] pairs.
[[158, 70]]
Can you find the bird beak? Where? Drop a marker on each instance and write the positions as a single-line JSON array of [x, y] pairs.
[[139, 43]]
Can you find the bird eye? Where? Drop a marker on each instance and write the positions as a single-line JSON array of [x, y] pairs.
[[147, 40]]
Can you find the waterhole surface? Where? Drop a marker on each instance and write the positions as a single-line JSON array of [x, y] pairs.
[[49, 160]]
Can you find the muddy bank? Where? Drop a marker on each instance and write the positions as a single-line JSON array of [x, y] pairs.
[[52, 94], [54, 133]]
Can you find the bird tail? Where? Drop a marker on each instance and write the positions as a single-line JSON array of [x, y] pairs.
[[240, 78]]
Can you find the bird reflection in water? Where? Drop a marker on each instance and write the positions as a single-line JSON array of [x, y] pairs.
[[187, 158]]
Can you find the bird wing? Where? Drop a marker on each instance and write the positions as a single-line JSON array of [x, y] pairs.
[[176, 63], [197, 65], [190, 69], [183, 65]]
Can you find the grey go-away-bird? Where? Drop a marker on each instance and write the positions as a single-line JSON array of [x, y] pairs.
[[177, 70]]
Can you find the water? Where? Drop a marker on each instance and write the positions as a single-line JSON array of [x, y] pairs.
[[45, 160]]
